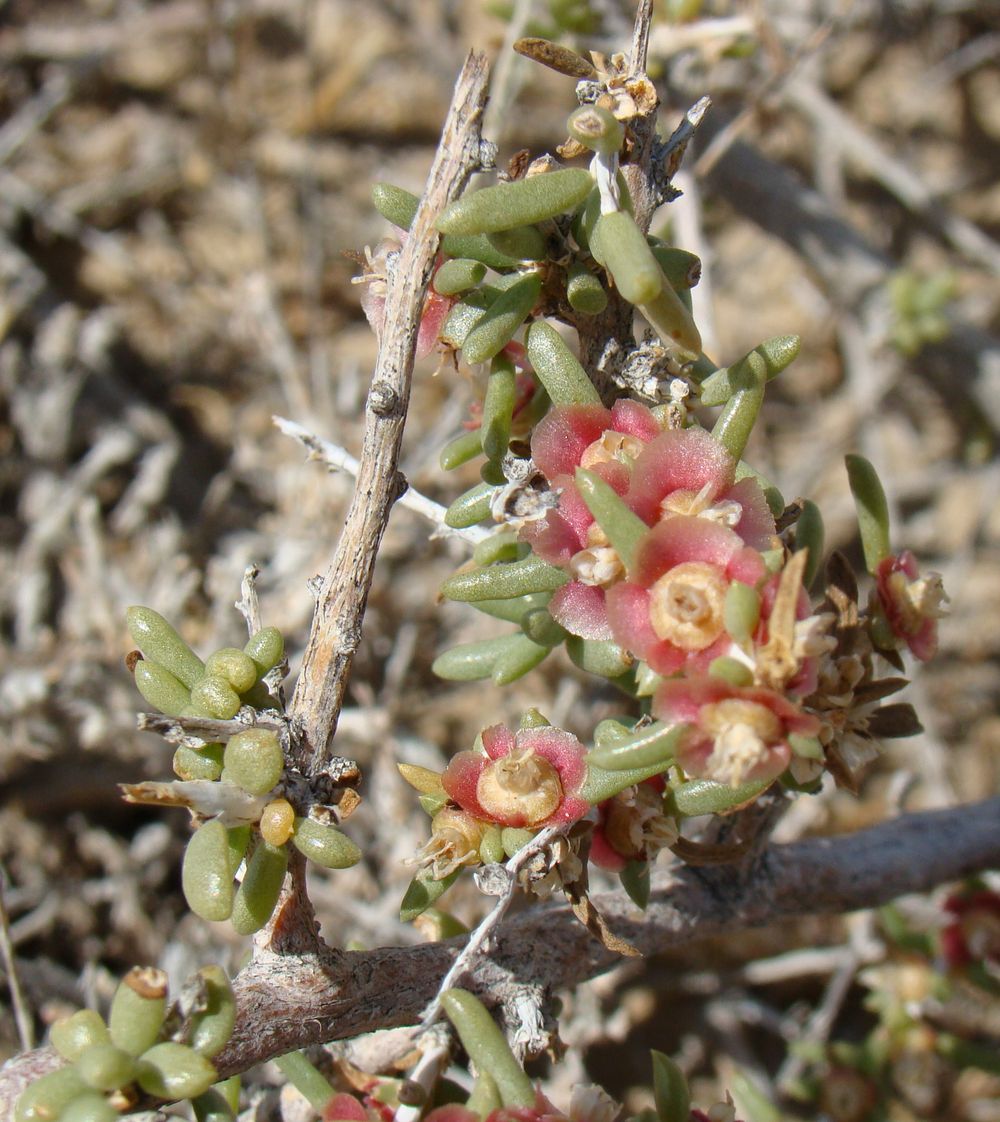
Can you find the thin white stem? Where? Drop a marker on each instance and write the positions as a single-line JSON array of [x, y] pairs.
[[425, 1074], [339, 459]]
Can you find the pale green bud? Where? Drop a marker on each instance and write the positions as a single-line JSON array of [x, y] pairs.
[[160, 643]]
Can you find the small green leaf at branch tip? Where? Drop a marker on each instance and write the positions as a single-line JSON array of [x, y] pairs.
[[872, 508], [654, 745], [522, 202], [670, 1089], [233, 665], [160, 688], [470, 507], [487, 1047], [214, 697], [504, 581], [541, 628], [212, 1026], [556, 367], [46, 1098], [732, 429], [810, 534], [515, 838], [73, 1035], [763, 363], [501, 546], [423, 891], [211, 1106], [624, 528], [395, 204], [485, 1098], [499, 323], [704, 796], [491, 848], [596, 128], [267, 648]]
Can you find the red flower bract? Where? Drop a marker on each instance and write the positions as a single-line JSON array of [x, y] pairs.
[[912, 604], [531, 778]]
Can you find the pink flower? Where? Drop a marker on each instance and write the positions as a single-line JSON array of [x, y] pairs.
[[736, 734], [671, 614], [912, 604], [605, 441], [688, 472], [346, 1108], [531, 778], [974, 931]]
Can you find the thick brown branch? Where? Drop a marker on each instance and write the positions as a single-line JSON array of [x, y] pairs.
[[336, 628]]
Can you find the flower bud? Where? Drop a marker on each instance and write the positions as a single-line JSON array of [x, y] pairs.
[[160, 688], [72, 1035], [563, 377], [261, 887], [174, 1071], [138, 1009], [161, 644], [520, 203], [596, 128], [235, 666], [214, 697], [253, 760], [206, 872], [325, 845], [277, 822]]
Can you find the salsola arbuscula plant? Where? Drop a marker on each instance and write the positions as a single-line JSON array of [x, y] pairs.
[[619, 523]]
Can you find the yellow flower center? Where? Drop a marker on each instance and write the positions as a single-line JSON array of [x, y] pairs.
[[687, 603], [521, 785], [697, 504], [742, 732], [454, 841], [611, 446]]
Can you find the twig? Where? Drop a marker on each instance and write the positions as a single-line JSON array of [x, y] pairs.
[[339, 459], [248, 605], [479, 937], [426, 1073], [343, 595], [22, 1014]]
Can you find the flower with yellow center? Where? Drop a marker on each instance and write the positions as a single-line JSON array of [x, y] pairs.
[[686, 605], [522, 784], [611, 445], [454, 842], [742, 733]]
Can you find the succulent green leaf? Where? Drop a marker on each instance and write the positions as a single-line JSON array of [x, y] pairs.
[[681, 269], [635, 881], [105, 1067], [670, 1090], [501, 546], [736, 421], [160, 688], [471, 662], [498, 324], [670, 317], [214, 697], [212, 1107], [212, 1026], [175, 1071], [517, 660], [498, 408], [46, 1098], [541, 628], [504, 581], [422, 892], [555, 366], [654, 745], [703, 796], [763, 363], [524, 243], [466, 446], [741, 611], [775, 499], [515, 838], [487, 1047], [307, 1079], [484, 1097], [602, 783], [138, 1009], [584, 291], [206, 872], [324, 845], [624, 528], [257, 895], [458, 275], [602, 657], [731, 670], [92, 1107], [395, 204], [810, 534], [519, 203], [491, 847], [872, 508], [470, 507], [239, 839], [235, 666], [160, 643], [267, 648], [513, 611], [198, 763], [619, 243], [72, 1035], [253, 760], [478, 247]]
